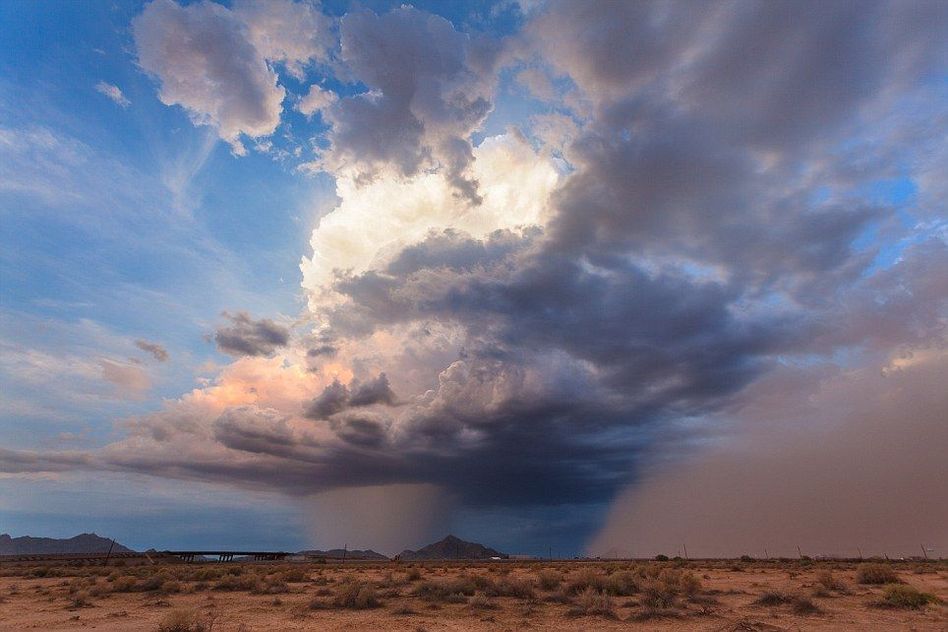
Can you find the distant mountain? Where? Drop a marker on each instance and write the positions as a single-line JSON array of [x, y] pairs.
[[83, 543], [354, 554], [451, 548]]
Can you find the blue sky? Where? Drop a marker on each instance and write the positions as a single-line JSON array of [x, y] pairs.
[[510, 261]]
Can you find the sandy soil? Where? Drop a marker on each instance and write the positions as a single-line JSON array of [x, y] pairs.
[[235, 597]]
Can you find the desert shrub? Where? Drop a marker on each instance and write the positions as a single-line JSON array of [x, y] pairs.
[[234, 583], [622, 584], [802, 605], [876, 574], [828, 581], [549, 579], [80, 599], [705, 603], [661, 558], [356, 595], [170, 587], [183, 621], [295, 575], [404, 610], [688, 584], [151, 583], [272, 586], [480, 601], [905, 597], [123, 585], [413, 574], [446, 590], [558, 596], [513, 587], [591, 602], [747, 558], [207, 574], [657, 595], [772, 598], [586, 579]]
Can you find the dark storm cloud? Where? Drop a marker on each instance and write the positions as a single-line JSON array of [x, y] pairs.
[[332, 400], [245, 336], [249, 429], [337, 397], [360, 429], [322, 350], [370, 392], [157, 351]]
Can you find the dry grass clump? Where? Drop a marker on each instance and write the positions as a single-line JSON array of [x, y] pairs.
[[798, 603], [591, 602], [663, 591], [80, 599], [549, 579], [445, 590], [480, 601], [233, 583], [772, 598], [184, 621], [270, 586], [294, 576], [876, 574], [512, 587], [905, 597], [830, 582], [356, 595], [803, 605], [585, 579], [622, 584]]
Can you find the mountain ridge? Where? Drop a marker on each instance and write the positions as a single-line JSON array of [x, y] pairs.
[[451, 548], [353, 554], [82, 543]]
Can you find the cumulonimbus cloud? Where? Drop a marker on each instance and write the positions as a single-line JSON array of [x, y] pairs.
[[630, 276]]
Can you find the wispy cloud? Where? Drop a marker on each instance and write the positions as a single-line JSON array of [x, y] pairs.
[[114, 93]]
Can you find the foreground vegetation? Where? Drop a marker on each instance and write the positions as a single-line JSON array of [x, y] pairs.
[[179, 597]]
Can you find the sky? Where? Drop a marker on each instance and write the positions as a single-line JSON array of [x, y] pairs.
[[612, 278]]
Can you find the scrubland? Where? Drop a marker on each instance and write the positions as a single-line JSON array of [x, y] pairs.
[[568, 595]]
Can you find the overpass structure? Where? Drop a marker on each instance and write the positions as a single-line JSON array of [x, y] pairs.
[[187, 556], [228, 556]]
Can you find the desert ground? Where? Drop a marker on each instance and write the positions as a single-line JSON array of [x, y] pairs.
[[508, 595]]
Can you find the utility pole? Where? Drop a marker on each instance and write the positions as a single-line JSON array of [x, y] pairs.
[[800, 553], [924, 552], [345, 551], [109, 554], [860, 552], [685, 547]]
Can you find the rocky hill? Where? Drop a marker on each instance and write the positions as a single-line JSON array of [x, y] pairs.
[[82, 543], [354, 554], [451, 548]]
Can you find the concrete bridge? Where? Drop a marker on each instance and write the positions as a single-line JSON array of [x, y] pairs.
[[228, 556]]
